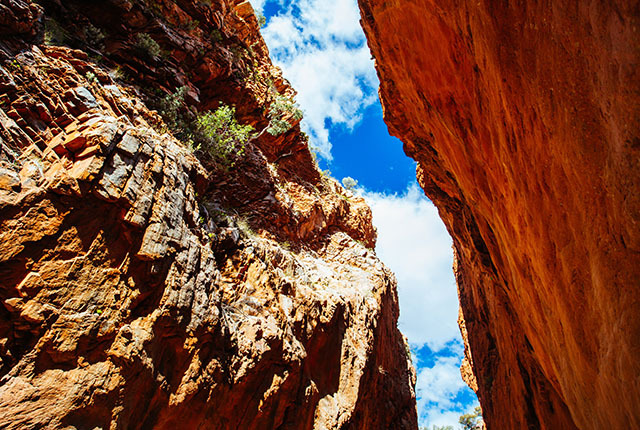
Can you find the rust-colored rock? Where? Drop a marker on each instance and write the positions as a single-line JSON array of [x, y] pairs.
[[143, 285], [524, 118]]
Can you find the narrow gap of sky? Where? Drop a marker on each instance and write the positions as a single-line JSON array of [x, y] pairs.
[[367, 153], [322, 51]]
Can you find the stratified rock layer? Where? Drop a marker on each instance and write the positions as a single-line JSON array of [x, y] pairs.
[[147, 285], [524, 118]]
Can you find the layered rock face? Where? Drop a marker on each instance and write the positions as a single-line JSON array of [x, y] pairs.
[[524, 118], [145, 284]]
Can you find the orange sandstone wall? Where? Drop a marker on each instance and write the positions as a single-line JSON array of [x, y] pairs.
[[524, 119], [146, 285]]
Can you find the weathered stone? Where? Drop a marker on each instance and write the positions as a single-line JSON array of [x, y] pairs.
[[80, 99], [9, 180], [75, 141], [87, 152], [129, 144], [19, 17], [145, 288], [522, 117], [11, 131], [114, 176]]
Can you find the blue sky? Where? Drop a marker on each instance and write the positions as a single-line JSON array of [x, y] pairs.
[[322, 51], [367, 152]]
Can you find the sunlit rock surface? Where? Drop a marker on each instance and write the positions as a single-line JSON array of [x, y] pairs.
[[143, 285], [524, 119]]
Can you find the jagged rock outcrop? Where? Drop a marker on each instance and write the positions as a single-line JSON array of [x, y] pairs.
[[524, 118], [147, 285]]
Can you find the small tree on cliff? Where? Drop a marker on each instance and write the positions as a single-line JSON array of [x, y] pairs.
[[349, 183], [473, 420], [221, 136], [281, 111], [218, 132]]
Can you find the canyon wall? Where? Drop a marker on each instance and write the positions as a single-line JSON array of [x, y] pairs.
[[147, 281], [524, 118]]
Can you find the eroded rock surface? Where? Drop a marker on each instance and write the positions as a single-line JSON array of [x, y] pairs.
[[144, 285], [524, 119]]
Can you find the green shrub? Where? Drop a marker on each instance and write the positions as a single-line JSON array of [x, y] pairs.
[[238, 52], [94, 36], [15, 64], [473, 420], [216, 133], [262, 20], [117, 73], [215, 36], [170, 108], [54, 34], [244, 227], [279, 113], [191, 25], [146, 44], [219, 134], [349, 183]]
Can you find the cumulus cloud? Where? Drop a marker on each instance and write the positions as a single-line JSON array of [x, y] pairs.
[[258, 4], [440, 383], [321, 49], [440, 390], [414, 243]]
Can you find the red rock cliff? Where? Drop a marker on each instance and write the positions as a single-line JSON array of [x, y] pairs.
[[524, 118], [146, 284]]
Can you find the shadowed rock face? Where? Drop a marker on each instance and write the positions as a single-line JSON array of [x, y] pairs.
[[144, 285], [524, 118]]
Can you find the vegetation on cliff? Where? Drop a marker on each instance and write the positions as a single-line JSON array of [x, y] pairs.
[[146, 287]]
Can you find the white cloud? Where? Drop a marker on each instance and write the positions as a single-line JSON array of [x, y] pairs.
[[439, 385], [322, 51], [437, 388], [414, 243], [257, 4]]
